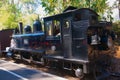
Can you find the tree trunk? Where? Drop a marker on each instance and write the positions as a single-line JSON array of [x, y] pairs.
[[119, 8]]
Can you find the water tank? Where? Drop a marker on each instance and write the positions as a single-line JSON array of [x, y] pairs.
[[27, 29], [37, 26]]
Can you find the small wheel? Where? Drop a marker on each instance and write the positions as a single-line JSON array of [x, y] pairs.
[[79, 73], [31, 60], [13, 56], [45, 62], [21, 57]]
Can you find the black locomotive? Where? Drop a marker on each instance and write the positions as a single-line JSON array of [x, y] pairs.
[[66, 40]]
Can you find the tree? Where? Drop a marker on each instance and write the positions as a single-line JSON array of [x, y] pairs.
[[116, 28], [119, 8], [13, 11], [9, 14], [27, 6], [116, 5], [57, 6]]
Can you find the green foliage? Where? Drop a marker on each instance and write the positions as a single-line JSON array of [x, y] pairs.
[[114, 5], [28, 19], [27, 1], [27, 6], [9, 15], [116, 28], [12, 12], [57, 6]]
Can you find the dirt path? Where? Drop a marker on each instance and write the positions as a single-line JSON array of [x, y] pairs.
[[116, 64], [116, 60]]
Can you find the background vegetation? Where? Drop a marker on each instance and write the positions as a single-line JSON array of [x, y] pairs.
[[14, 11]]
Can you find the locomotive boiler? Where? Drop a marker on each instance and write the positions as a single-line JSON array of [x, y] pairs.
[[66, 40]]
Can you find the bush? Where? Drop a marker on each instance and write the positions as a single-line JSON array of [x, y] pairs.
[[116, 28]]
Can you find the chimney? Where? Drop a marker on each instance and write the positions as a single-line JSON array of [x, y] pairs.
[[20, 27]]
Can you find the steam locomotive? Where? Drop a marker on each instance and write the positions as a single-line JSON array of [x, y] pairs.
[[65, 40]]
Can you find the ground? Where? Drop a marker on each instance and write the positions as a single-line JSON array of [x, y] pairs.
[[115, 67], [116, 64]]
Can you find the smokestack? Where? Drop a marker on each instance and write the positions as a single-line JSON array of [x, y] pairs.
[[20, 27]]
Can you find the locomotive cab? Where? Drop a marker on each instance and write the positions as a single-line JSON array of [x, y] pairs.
[[70, 44]]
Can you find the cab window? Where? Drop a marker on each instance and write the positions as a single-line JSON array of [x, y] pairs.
[[52, 28]]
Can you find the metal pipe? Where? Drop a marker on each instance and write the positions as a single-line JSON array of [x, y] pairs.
[[20, 27]]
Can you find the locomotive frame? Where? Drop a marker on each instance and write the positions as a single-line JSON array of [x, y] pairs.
[[63, 43]]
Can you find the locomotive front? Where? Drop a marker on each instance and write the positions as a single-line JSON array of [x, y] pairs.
[[28, 44]]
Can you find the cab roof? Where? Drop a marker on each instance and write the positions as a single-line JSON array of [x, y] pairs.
[[69, 13]]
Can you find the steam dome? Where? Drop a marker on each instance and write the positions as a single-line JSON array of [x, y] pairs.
[[37, 26], [27, 29]]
